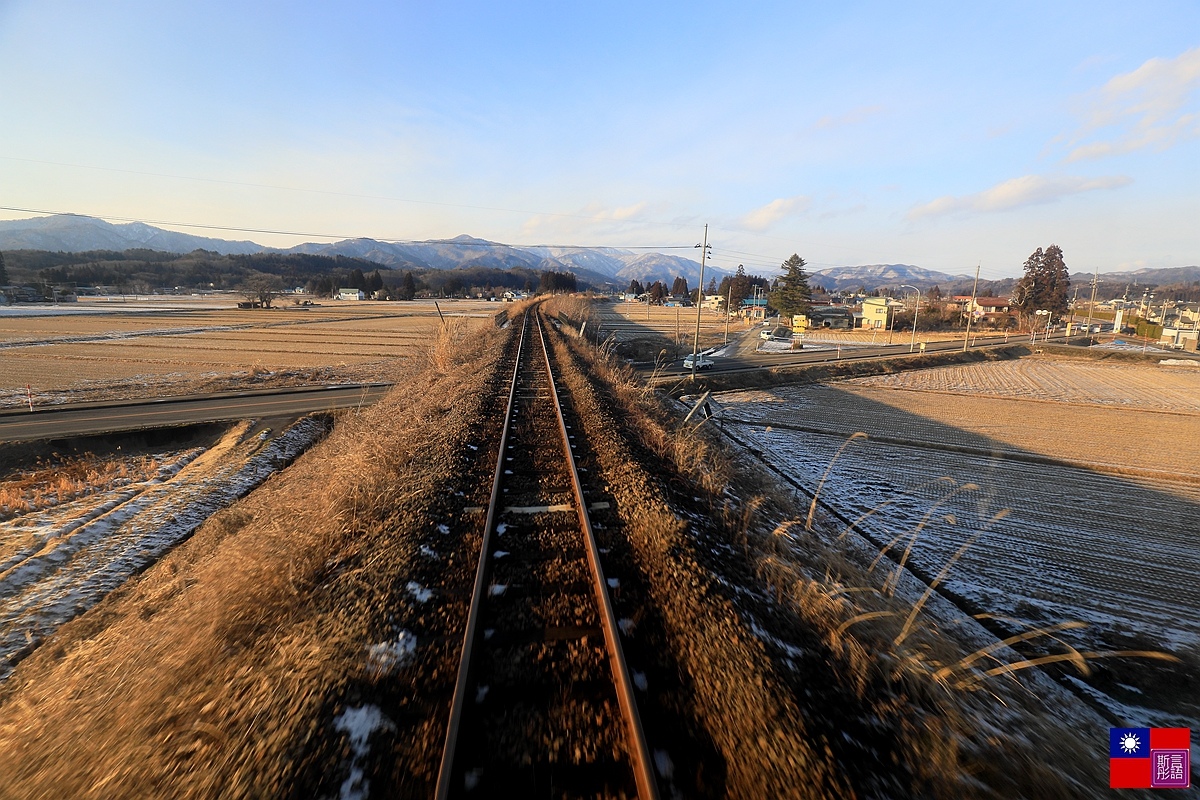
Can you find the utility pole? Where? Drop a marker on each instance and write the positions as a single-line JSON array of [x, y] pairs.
[[728, 310], [1092, 305], [971, 309], [912, 345], [696, 344]]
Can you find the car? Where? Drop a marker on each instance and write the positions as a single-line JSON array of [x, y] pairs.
[[702, 362]]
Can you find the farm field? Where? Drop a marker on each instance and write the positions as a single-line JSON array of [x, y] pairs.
[[637, 321], [1081, 509], [102, 351], [61, 558]]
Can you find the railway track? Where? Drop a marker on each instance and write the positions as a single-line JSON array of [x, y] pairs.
[[544, 704]]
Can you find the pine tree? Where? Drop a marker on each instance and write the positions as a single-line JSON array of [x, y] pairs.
[[794, 295], [679, 288], [635, 287], [1045, 283], [408, 287], [3, 271]]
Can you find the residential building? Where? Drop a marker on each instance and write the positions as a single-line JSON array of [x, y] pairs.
[[876, 313]]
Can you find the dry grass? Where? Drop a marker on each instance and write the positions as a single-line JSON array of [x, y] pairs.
[[56, 481], [208, 675]]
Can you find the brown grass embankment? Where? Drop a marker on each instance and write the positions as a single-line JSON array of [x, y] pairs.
[[218, 672], [798, 658]]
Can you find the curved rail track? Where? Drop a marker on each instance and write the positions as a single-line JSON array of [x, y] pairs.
[[544, 703]]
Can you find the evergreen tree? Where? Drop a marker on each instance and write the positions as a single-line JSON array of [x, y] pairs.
[[1045, 284], [657, 290], [408, 287], [712, 287], [635, 287], [794, 295], [375, 282], [3, 271], [680, 288]]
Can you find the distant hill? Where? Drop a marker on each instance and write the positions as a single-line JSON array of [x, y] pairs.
[[879, 276], [71, 233], [1143, 277], [597, 266]]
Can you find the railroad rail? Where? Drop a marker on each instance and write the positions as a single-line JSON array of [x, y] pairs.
[[544, 702]]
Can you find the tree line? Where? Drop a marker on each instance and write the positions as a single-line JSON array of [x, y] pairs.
[[143, 271]]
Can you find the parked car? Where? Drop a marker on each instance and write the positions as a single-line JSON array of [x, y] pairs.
[[702, 362]]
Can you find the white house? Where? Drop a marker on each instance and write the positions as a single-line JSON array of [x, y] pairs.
[[351, 294]]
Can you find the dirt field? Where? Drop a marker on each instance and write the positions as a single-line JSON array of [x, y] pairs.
[[1089, 464], [665, 326], [102, 349]]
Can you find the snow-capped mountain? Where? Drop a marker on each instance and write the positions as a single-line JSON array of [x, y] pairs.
[[878, 276], [72, 233]]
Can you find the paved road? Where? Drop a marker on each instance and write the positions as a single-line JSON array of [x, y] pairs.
[[82, 420], [748, 360]]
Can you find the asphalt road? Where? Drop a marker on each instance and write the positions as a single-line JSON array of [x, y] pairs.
[[741, 361], [83, 420]]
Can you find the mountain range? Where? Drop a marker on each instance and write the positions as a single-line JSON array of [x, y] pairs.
[[599, 266]]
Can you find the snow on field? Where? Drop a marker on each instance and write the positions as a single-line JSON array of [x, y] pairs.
[[1122, 346], [1074, 545], [1159, 387], [1109, 544], [62, 561]]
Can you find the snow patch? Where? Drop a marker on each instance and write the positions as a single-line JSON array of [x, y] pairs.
[[358, 723], [384, 657]]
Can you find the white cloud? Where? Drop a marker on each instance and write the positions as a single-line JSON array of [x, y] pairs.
[[1027, 190], [762, 218], [1154, 106]]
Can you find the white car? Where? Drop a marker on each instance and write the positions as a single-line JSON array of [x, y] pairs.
[[702, 362]]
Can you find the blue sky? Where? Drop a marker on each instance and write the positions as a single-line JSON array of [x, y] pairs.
[[937, 134]]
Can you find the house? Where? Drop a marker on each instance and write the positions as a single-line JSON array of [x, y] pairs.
[[876, 313], [754, 308], [992, 305], [351, 294], [824, 317]]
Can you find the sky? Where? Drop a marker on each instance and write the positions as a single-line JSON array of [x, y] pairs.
[[942, 135]]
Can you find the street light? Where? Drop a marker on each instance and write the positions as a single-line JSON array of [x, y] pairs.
[[912, 345], [728, 310], [704, 248]]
